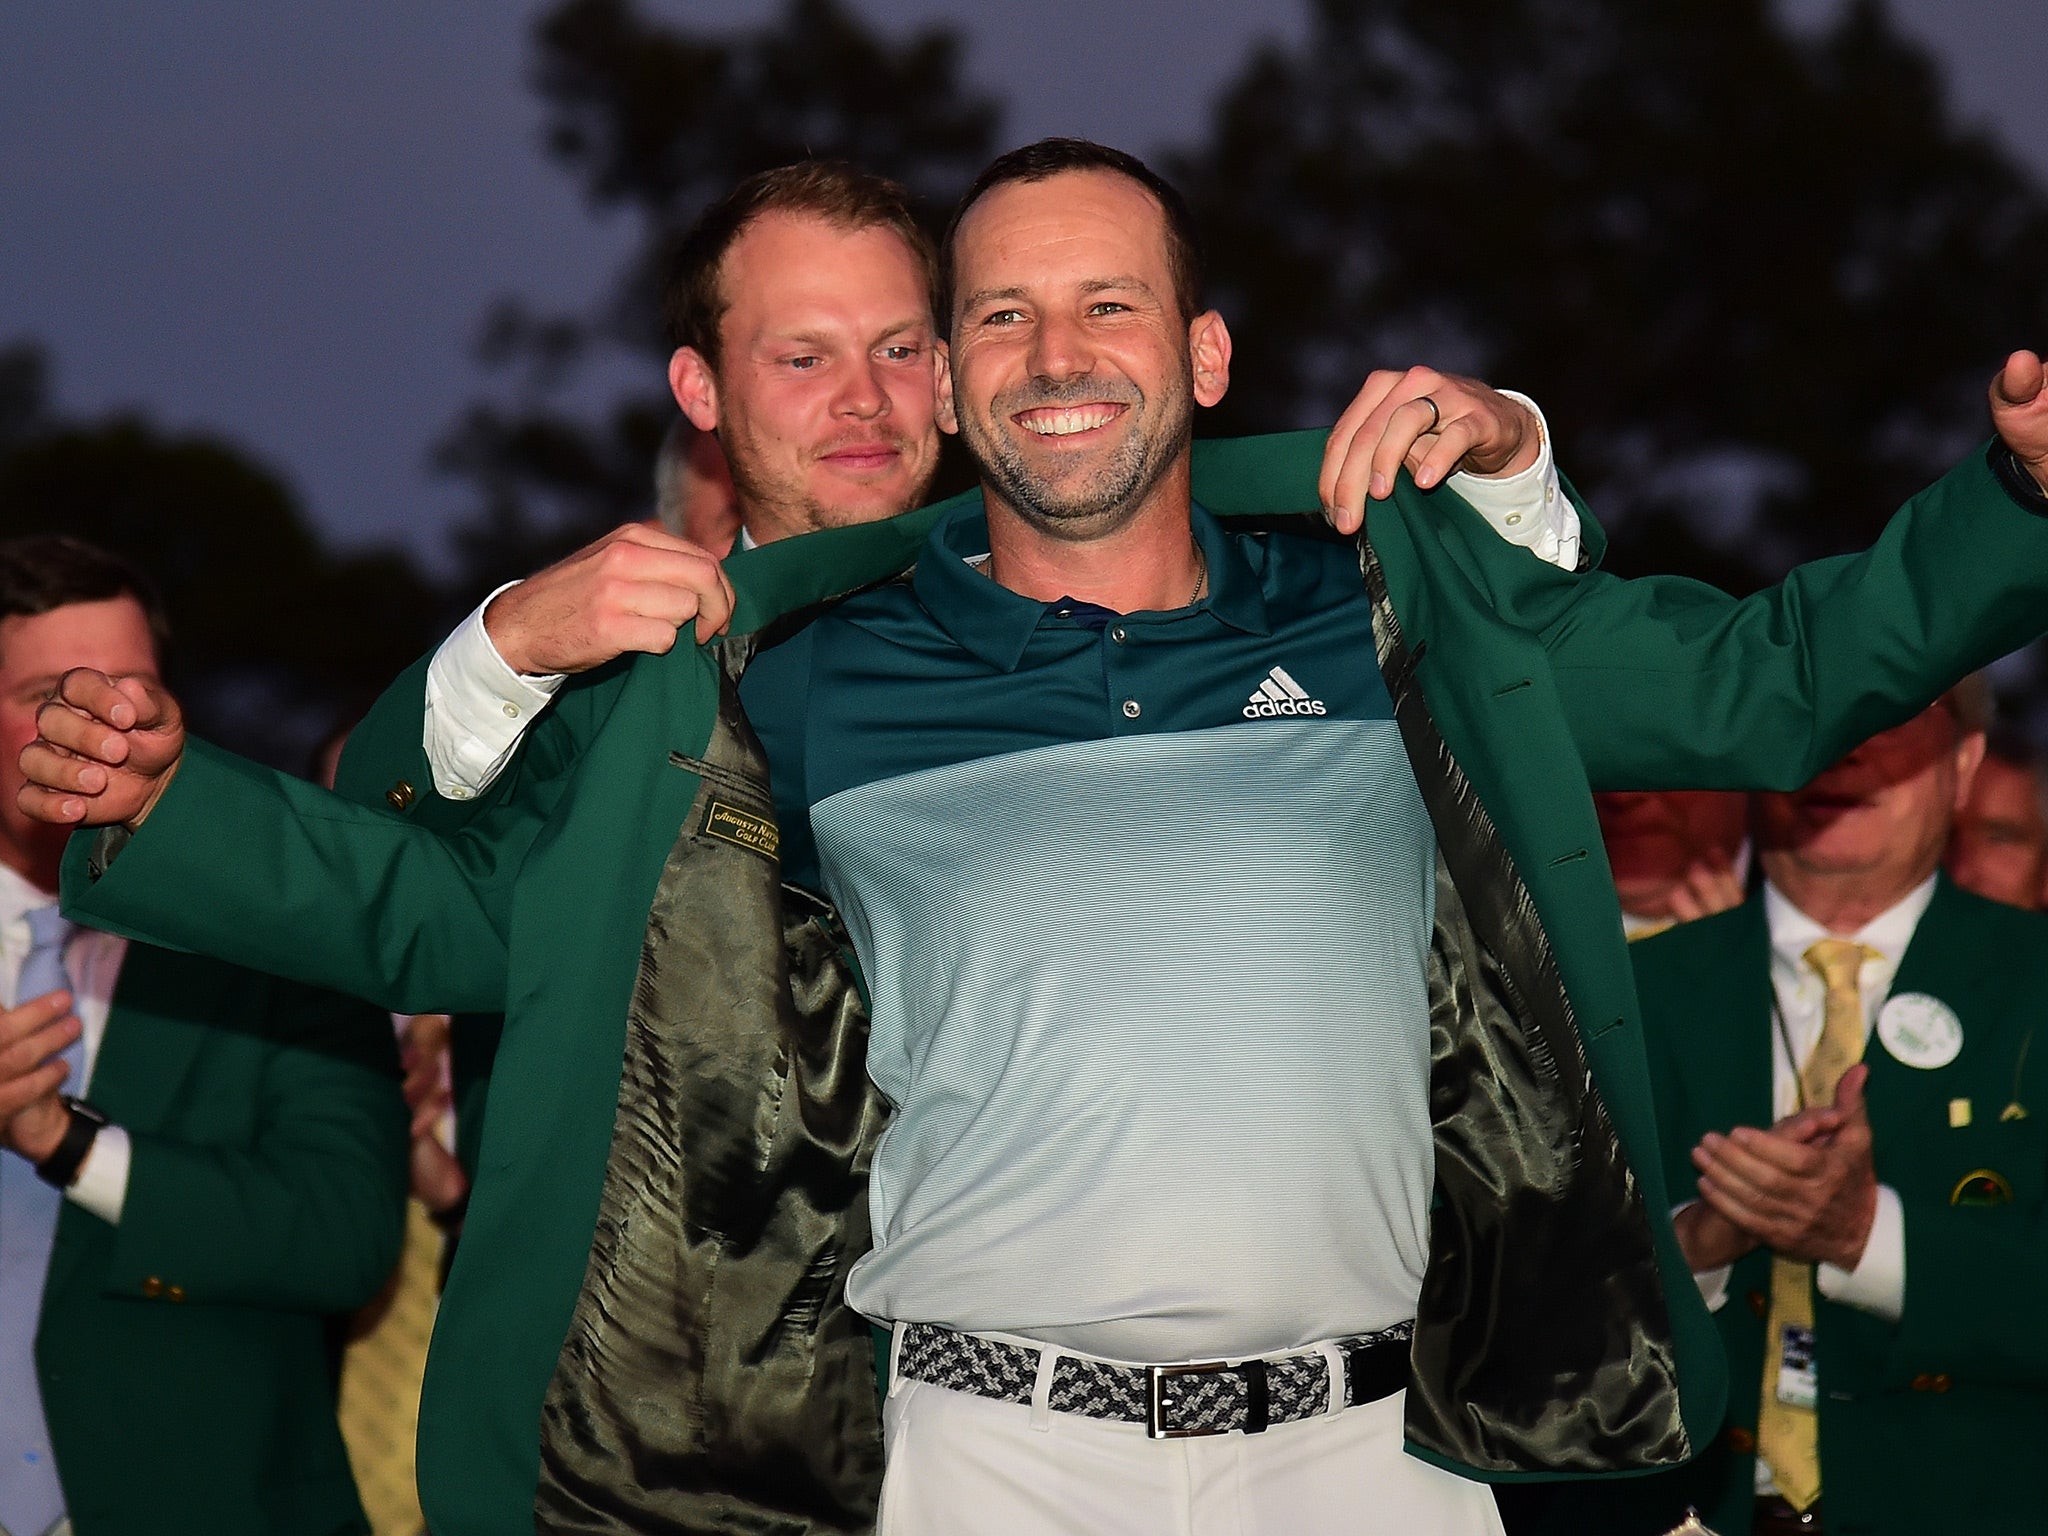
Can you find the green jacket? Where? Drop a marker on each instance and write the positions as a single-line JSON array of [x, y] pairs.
[[1934, 1423], [182, 1353], [700, 1333]]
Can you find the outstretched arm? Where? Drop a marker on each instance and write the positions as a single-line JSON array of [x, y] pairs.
[[310, 886], [1669, 683]]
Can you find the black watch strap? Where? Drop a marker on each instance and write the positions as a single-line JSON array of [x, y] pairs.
[[62, 1165]]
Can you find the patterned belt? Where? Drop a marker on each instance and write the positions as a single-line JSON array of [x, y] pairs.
[[1173, 1402]]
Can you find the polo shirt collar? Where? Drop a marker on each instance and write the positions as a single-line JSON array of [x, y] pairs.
[[996, 624]]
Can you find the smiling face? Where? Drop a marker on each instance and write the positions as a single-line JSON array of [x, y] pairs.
[[1879, 817], [1072, 374], [823, 396]]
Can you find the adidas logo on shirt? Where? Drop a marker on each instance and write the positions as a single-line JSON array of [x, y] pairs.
[[1280, 694]]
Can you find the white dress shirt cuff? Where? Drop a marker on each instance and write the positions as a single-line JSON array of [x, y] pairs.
[[1713, 1283], [1529, 507], [477, 708], [1877, 1284], [102, 1182]]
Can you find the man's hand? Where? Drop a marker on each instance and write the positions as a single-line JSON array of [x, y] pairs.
[[107, 749], [1391, 422], [1707, 886], [32, 1121], [1806, 1188], [630, 591], [1708, 1239], [2019, 412], [438, 1181]]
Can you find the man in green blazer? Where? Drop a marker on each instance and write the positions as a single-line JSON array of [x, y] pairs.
[[1907, 1207], [231, 1172], [1556, 1325]]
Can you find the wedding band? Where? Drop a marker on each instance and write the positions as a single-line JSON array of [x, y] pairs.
[[1435, 416]]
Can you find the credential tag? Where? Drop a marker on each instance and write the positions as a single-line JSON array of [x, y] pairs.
[[1798, 1382]]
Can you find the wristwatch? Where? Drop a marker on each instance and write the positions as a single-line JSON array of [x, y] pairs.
[[61, 1166]]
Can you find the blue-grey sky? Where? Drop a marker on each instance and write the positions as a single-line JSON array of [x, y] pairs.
[[282, 223]]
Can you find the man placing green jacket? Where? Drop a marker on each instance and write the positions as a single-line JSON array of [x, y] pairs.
[[621, 892]]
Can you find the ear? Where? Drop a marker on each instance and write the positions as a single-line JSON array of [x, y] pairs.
[[1969, 758], [942, 381], [695, 387], [1209, 352]]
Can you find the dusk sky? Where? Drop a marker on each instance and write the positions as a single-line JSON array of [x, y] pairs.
[[283, 223]]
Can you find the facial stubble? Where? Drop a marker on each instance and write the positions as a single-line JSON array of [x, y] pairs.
[[1114, 495]]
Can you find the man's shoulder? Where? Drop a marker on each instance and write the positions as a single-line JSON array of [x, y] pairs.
[[1696, 954], [1994, 940], [1995, 921]]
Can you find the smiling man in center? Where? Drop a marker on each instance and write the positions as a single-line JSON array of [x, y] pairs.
[[1299, 1046]]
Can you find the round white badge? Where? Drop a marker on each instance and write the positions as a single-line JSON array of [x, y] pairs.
[[1919, 1030]]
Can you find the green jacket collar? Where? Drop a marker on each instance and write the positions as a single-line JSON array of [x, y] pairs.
[[1268, 476]]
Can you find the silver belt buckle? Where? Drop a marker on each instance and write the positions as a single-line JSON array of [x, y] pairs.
[[1158, 1400]]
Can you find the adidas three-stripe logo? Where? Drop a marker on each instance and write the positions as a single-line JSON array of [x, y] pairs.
[[1280, 694]]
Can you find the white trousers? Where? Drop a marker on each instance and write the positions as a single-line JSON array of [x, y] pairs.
[[960, 1465]]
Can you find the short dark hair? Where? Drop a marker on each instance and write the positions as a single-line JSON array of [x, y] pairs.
[[693, 300], [40, 572], [1053, 157]]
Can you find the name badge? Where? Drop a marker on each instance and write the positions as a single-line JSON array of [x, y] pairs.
[[1920, 1031], [1798, 1382]]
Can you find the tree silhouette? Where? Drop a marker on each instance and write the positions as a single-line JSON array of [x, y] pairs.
[[275, 639], [661, 122], [1758, 280], [24, 390]]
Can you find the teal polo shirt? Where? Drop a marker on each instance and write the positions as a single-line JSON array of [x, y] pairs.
[[1143, 903]]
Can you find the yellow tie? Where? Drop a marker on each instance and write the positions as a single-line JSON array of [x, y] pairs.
[[1788, 1436]]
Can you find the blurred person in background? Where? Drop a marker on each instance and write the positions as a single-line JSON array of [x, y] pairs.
[[197, 1166], [1676, 854], [694, 497], [1845, 1071], [2000, 846]]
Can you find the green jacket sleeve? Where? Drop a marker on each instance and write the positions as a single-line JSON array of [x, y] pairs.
[[306, 1215], [1669, 683], [282, 877]]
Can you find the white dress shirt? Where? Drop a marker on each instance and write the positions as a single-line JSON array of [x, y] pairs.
[[1878, 1282], [478, 707], [93, 960]]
